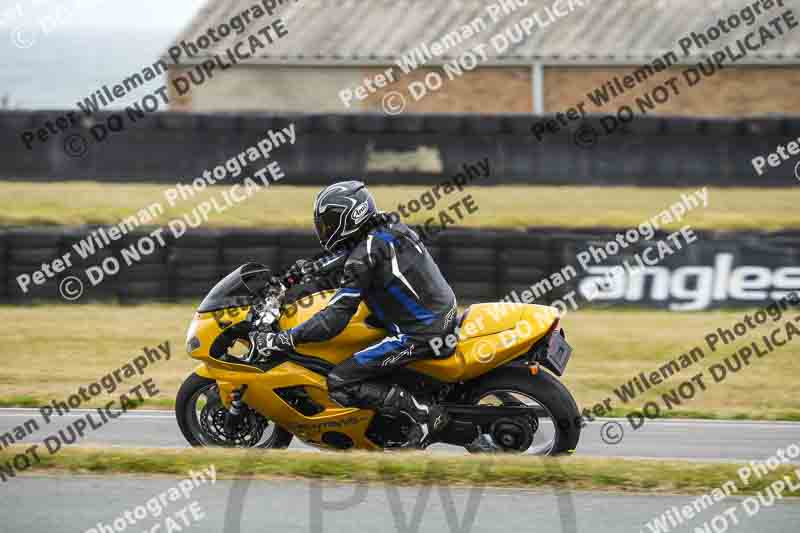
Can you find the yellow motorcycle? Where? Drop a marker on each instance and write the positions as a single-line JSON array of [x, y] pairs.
[[498, 385]]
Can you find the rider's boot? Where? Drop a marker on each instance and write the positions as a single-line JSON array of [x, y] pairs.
[[428, 419]]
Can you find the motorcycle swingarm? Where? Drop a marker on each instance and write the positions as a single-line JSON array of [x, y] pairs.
[[484, 415], [468, 421]]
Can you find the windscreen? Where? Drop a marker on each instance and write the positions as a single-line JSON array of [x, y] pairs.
[[237, 288]]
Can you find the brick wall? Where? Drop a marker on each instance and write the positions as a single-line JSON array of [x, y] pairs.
[[729, 92], [490, 90], [269, 88], [742, 91], [311, 89]]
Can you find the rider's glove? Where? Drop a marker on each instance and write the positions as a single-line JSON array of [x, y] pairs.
[[291, 276], [299, 272], [268, 341]]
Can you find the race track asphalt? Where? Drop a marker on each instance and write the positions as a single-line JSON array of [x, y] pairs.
[[46, 505], [35, 503], [667, 439]]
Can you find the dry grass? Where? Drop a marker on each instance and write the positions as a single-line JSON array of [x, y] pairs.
[[52, 350], [611, 347], [501, 206]]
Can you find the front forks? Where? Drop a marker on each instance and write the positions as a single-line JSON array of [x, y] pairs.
[[235, 411]]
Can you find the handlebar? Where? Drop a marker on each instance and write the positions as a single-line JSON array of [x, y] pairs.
[[304, 270]]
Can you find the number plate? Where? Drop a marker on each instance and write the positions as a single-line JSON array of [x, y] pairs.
[[558, 354]]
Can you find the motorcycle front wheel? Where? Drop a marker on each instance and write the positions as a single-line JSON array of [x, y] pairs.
[[201, 417]]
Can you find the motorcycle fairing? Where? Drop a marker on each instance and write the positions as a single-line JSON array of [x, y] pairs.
[[261, 395], [489, 336]]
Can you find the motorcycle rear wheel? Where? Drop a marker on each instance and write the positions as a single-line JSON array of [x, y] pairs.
[[199, 411], [543, 392]]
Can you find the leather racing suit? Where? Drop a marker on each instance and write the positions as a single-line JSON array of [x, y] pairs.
[[391, 270]]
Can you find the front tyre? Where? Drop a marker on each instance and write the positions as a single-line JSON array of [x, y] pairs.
[[201, 417], [558, 425]]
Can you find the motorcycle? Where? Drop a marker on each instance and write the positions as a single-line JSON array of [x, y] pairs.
[[498, 387]]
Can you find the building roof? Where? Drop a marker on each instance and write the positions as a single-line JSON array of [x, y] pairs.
[[601, 32]]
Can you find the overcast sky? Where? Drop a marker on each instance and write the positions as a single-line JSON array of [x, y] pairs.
[[55, 52], [156, 14]]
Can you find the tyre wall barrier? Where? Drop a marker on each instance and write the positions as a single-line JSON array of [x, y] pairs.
[[176, 147], [540, 265]]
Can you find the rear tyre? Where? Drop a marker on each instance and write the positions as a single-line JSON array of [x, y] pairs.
[[200, 412], [509, 385]]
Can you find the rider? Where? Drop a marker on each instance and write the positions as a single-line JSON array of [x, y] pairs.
[[388, 267]]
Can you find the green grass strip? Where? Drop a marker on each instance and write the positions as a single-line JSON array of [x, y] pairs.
[[414, 468]]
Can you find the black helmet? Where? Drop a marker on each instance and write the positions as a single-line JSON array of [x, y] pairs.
[[340, 211]]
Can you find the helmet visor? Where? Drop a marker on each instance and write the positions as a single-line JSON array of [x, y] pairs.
[[324, 229]]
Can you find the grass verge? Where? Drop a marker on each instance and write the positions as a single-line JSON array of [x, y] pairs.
[[412, 468], [77, 203]]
